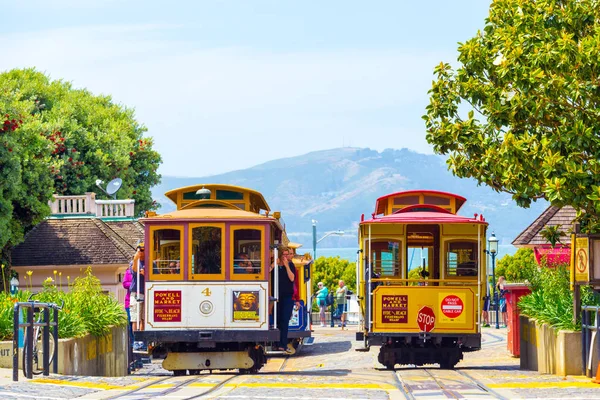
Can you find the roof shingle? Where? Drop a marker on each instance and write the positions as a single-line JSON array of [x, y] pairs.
[[552, 216], [78, 241]]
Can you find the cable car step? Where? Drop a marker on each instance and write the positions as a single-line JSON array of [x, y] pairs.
[[277, 353], [308, 341], [362, 349]]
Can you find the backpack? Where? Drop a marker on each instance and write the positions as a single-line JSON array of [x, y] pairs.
[[128, 279], [329, 299], [133, 286]]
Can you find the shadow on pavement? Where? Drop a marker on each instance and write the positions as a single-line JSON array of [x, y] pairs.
[[320, 372], [319, 348]]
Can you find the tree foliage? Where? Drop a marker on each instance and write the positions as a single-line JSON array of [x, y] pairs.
[[57, 139], [552, 234], [519, 267], [521, 111], [330, 270]]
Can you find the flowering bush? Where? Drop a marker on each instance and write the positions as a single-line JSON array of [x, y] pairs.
[[86, 309]]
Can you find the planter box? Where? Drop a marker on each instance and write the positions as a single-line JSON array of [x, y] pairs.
[[88, 355], [546, 350]]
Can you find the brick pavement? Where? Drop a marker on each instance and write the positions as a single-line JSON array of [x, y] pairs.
[[330, 368]]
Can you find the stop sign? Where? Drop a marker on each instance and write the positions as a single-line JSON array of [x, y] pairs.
[[426, 319]]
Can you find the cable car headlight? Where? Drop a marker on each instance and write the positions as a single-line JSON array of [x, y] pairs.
[[206, 307]]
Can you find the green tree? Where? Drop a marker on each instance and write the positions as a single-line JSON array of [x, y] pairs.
[[57, 139], [330, 270], [552, 234], [520, 111], [519, 267]]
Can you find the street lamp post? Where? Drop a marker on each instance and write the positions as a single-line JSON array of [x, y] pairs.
[[314, 223], [493, 250], [315, 242]]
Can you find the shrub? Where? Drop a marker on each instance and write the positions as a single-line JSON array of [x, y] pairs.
[[520, 267], [551, 299], [330, 270], [86, 309]]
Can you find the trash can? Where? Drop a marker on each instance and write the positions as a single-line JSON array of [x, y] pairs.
[[514, 292]]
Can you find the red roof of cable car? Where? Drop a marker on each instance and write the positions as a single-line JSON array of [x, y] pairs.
[[459, 199], [406, 216]]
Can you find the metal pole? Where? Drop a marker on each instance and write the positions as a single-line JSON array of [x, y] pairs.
[[315, 240], [46, 342], [369, 285], [137, 296], [597, 340], [331, 311], [584, 341], [276, 288], [494, 289], [29, 343], [55, 329], [479, 278], [16, 329]]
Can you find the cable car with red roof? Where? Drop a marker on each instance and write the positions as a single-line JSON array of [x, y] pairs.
[[209, 292], [421, 276]]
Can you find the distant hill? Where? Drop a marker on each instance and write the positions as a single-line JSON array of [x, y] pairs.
[[336, 186]]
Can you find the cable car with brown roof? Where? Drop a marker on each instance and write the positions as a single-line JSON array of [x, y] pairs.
[[209, 290], [421, 276]]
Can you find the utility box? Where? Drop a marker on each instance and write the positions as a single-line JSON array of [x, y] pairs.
[[514, 293]]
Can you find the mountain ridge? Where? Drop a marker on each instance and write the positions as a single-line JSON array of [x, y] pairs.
[[336, 186]]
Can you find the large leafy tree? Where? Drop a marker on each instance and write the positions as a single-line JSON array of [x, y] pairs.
[[519, 267], [330, 270], [521, 111], [57, 139]]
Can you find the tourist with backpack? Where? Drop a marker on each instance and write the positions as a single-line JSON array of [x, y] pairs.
[[127, 282], [322, 301]]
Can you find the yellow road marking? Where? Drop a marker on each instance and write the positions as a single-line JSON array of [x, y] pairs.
[[89, 385], [543, 385], [305, 385]]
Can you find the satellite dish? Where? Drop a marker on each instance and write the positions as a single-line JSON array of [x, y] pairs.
[[113, 186]]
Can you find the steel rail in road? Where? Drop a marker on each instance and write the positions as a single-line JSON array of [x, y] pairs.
[[179, 384], [407, 380]]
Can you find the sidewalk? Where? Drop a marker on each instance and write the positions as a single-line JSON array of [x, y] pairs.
[[499, 370]]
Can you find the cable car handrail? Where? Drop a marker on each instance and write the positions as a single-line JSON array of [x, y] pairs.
[[471, 281]]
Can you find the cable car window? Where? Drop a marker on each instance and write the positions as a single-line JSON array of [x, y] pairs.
[[206, 250], [247, 246], [166, 250], [461, 258], [385, 256], [229, 195]]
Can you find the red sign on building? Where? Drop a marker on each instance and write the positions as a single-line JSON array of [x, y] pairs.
[[426, 319], [167, 306]]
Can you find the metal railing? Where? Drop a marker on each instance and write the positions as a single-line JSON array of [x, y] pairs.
[[32, 307], [590, 321]]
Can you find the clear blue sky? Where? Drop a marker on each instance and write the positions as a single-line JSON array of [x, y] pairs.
[[224, 85]]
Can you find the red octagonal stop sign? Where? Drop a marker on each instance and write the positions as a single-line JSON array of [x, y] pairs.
[[426, 319]]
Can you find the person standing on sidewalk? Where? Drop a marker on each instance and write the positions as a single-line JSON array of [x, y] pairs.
[[340, 299], [502, 299], [322, 301]]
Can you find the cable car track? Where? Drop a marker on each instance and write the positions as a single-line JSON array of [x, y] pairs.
[[404, 378], [138, 393]]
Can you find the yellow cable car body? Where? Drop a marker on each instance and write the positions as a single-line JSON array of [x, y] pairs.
[[432, 314]]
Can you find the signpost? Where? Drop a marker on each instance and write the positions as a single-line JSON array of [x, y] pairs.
[[426, 319]]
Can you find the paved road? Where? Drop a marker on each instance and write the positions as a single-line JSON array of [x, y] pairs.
[[328, 369]]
